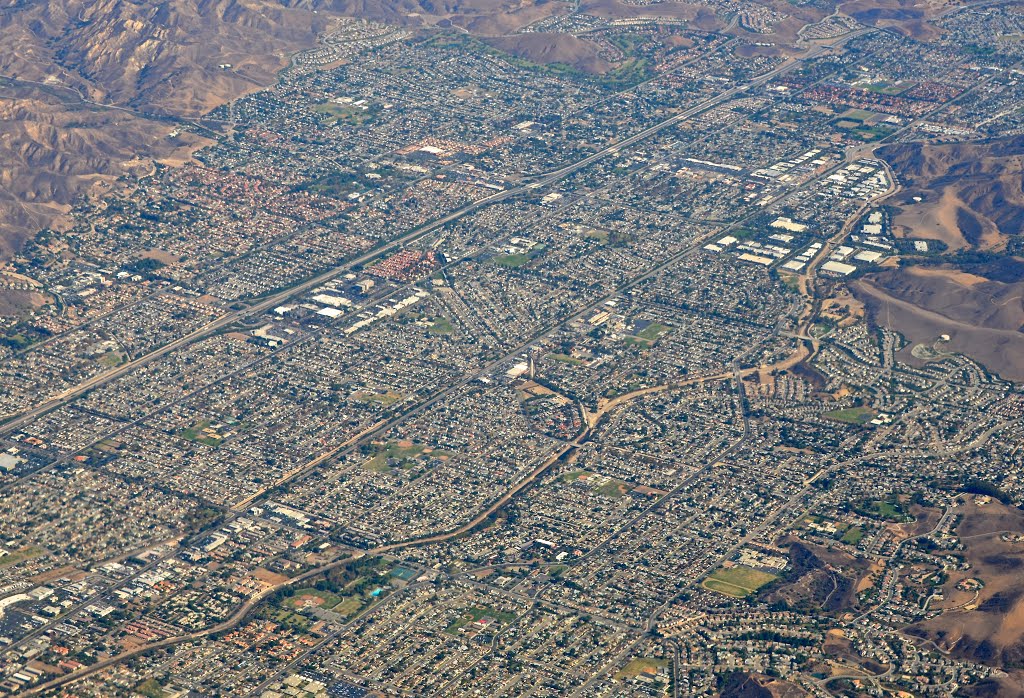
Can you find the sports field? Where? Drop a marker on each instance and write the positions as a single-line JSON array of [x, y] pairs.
[[738, 582]]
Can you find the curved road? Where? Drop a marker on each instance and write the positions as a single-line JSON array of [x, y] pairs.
[[267, 303]]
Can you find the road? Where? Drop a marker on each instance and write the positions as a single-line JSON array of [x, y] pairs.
[[278, 298], [259, 307], [591, 419], [243, 611], [530, 184]]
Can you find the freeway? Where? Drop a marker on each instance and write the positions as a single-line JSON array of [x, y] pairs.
[[276, 299], [529, 184], [255, 309], [591, 419]]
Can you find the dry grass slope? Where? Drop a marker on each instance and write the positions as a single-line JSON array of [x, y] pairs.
[[989, 628]]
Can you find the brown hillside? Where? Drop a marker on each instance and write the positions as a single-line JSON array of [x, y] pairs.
[[1000, 350], [971, 193], [66, 62], [554, 48], [161, 57], [988, 627], [54, 149]]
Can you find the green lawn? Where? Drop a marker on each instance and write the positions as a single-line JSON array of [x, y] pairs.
[[652, 331], [111, 359], [739, 581], [348, 596], [871, 133], [512, 261], [887, 88], [820, 329], [287, 617], [856, 121], [565, 359], [327, 599], [345, 113], [386, 399], [350, 606], [853, 535], [194, 433], [635, 667], [852, 415], [631, 72], [613, 488], [888, 510], [379, 461], [150, 688], [860, 115], [195, 430], [26, 553], [471, 615], [441, 325], [335, 184], [640, 342], [18, 340]]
